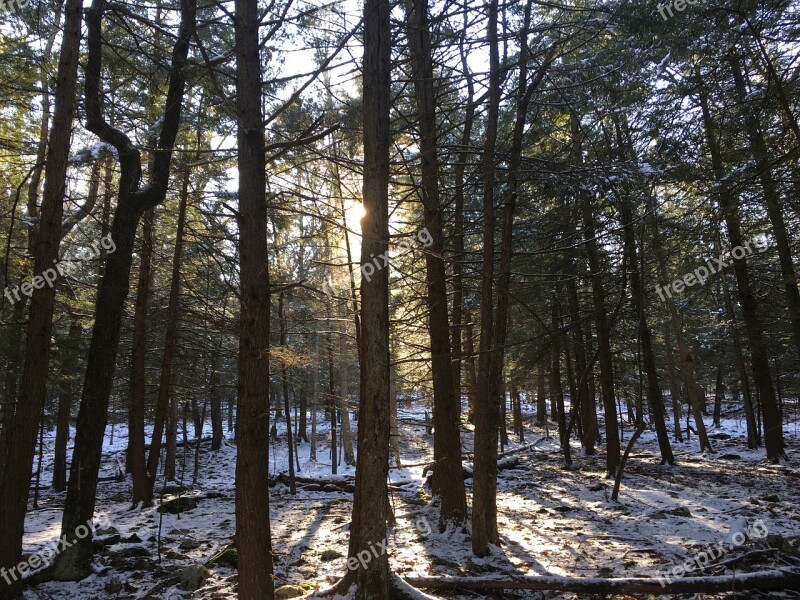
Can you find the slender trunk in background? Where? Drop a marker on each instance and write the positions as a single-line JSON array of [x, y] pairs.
[[370, 498], [314, 396], [216, 403], [66, 396], [253, 537], [772, 417], [166, 401], [284, 371], [135, 455], [684, 355], [457, 338], [541, 396], [674, 386], [585, 405], [556, 389], [20, 438], [719, 393], [332, 402], [655, 400], [344, 393], [469, 367], [753, 436], [394, 429]]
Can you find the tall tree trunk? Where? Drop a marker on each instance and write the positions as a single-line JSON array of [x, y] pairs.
[[674, 386], [772, 201], [253, 537], [285, 389], [604, 342], [332, 402], [344, 394], [20, 438], [772, 418], [556, 389], [315, 387], [166, 403], [484, 511], [394, 429], [216, 403], [541, 396], [136, 451], [74, 562], [448, 481], [370, 499], [469, 367], [684, 354], [719, 393], [655, 400], [586, 406], [457, 338]]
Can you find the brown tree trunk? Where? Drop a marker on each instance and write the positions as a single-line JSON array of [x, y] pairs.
[[601, 320], [654, 398], [66, 397], [253, 537], [556, 389], [142, 491], [285, 389], [585, 405], [448, 482], [772, 201], [20, 438], [541, 396], [166, 403], [457, 341], [484, 499], [370, 500], [773, 420], [469, 367], [344, 394]]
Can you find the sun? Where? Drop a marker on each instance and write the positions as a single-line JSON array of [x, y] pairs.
[[353, 216]]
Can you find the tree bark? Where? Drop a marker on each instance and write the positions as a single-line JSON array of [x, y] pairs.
[[20, 438], [370, 499], [253, 537], [166, 403], [142, 491], [772, 418]]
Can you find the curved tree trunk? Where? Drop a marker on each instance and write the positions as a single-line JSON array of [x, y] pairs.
[[75, 561], [20, 439]]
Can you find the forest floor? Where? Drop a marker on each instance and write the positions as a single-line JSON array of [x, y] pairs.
[[552, 521]]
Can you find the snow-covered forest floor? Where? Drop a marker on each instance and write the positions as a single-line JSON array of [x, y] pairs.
[[552, 521]]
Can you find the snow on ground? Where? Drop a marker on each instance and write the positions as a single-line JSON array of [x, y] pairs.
[[552, 521]]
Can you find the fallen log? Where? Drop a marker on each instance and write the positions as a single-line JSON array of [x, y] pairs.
[[761, 580]]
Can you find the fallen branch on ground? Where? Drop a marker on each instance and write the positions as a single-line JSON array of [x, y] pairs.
[[760, 580]]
